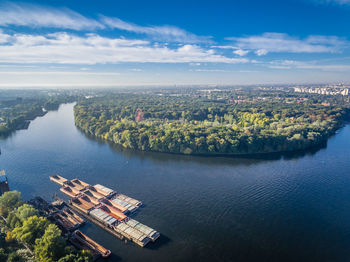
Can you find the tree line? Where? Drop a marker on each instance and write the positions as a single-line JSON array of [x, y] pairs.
[[201, 125], [16, 112]]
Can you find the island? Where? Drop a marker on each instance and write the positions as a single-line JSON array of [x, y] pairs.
[[227, 121]]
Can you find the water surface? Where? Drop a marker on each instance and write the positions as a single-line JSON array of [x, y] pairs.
[[294, 208]]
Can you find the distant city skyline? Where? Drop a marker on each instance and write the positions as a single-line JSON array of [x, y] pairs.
[[112, 43]]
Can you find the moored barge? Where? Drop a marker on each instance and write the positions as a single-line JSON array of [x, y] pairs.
[[82, 241], [108, 209]]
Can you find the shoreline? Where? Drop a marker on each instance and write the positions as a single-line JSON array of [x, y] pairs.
[[310, 149]]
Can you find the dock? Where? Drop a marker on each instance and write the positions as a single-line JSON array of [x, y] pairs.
[[106, 208]]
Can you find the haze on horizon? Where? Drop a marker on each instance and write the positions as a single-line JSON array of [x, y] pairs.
[[88, 43]]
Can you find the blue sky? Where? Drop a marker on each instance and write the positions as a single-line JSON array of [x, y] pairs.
[[116, 43]]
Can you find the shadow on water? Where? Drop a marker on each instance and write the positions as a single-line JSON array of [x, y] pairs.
[[233, 160], [163, 240], [113, 257]]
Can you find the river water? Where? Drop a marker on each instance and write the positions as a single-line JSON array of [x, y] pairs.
[[280, 208]]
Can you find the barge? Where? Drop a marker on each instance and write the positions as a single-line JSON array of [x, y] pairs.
[[107, 209], [58, 179], [82, 241]]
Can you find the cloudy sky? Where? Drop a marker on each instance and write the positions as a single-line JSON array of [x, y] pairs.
[[116, 43]]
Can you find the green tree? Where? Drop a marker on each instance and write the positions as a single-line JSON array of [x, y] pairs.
[[83, 256], [9, 201], [25, 211], [50, 247], [3, 255], [13, 221], [31, 229], [14, 257]]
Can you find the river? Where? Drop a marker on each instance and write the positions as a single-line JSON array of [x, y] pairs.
[[281, 208]]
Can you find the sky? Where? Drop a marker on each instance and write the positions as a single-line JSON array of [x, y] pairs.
[[222, 42]]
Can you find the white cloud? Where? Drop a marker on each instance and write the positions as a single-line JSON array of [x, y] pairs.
[[337, 2], [37, 16], [166, 32], [3, 37], [65, 48], [279, 67], [225, 47], [261, 52], [241, 52], [283, 43], [309, 65], [210, 70], [59, 73]]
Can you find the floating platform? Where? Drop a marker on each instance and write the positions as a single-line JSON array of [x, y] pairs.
[[76, 186], [114, 212], [149, 232], [133, 234], [58, 179], [118, 202], [122, 208], [80, 183], [77, 218], [103, 217], [69, 191], [65, 222], [129, 200], [93, 194], [81, 205], [103, 190]]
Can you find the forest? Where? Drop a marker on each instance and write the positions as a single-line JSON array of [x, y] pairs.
[[18, 108], [211, 123], [27, 236]]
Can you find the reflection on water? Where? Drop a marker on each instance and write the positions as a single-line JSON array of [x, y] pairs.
[[209, 160], [289, 207]]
